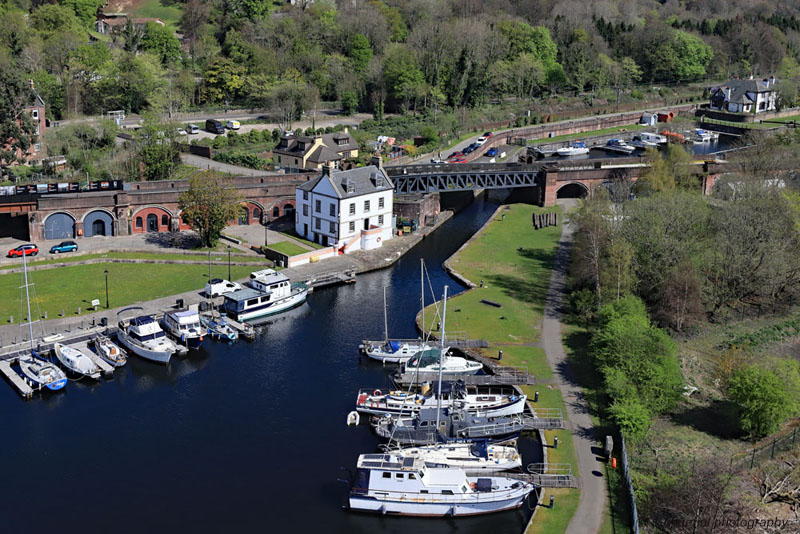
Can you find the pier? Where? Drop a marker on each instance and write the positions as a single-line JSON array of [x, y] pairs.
[[16, 380], [547, 476]]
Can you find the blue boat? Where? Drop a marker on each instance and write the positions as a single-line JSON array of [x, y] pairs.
[[219, 328]]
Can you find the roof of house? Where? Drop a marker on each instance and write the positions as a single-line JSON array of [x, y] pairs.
[[740, 88], [362, 181], [34, 100], [323, 154], [290, 145]]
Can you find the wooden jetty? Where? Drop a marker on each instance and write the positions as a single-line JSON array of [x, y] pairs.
[[22, 386], [547, 476], [104, 366], [245, 330]]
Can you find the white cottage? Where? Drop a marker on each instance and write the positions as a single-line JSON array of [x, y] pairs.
[[351, 210], [745, 96]]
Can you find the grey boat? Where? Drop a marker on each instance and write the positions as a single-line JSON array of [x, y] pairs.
[[455, 424]]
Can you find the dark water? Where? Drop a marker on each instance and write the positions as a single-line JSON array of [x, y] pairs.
[[725, 142], [248, 437]]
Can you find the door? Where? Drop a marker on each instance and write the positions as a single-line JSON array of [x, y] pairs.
[[366, 223], [152, 223], [305, 230], [244, 219], [98, 228], [59, 226]]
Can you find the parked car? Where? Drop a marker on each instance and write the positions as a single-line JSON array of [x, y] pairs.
[[218, 286], [458, 160], [487, 135], [437, 160], [64, 246], [481, 140], [233, 125], [471, 148], [214, 126], [492, 152], [193, 129], [455, 155], [28, 250], [181, 131]]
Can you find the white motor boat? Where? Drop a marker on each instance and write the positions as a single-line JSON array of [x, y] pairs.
[[619, 146], [391, 484], [109, 351], [704, 136], [394, 351], [269, 292], [576, 148], [474, 456], [76, 361], [145, 338], [476, 400], [184, 326], [425, 364]]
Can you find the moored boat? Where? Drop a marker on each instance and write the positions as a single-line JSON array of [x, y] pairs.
[[109, 351], [393, 350], [471, 456], [219, 328], [145, 338], [76, 361], [426, 364], [269, 292], [390, 484], [41, 372], [184, 326], [575, 148], [432, 425], [618, 145]]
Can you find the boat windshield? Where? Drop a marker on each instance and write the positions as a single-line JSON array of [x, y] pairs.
[[425, 358], [148, 337]]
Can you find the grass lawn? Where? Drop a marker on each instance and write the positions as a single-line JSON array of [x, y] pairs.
[[288, 248], [68, 288], [296, 237], [603, 131], [549, 521], [171, 14]]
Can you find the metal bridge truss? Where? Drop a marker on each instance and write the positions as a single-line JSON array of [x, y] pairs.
[[463, 181]]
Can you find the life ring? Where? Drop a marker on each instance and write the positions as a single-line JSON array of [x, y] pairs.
[[473, 485], [377, 393], [378, 240]]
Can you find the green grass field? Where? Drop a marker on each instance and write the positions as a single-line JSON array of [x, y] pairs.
[[171, 14], [219, 255], [288, 248], [68, 288], [296, 237]]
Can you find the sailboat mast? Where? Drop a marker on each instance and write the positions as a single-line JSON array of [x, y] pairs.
[[441, 352], [422, 292], [27, 297], [385, 318]]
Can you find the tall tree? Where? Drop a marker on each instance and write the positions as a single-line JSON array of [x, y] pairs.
[[17, 131], [208, 205]]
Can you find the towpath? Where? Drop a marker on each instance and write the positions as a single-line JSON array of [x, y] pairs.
[[588, 516]]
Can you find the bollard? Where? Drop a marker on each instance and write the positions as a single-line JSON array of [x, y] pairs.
[[535, 396], [503, 217], [481, 283], [11, 319], [555, 442], [79, 310], [613, 463], [62, 312], [552, 501], [45, 314], [438, 325], [499, 355]]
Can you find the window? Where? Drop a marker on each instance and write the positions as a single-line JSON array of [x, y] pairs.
[[387, 475], [332, 211], [463, 489], [366, 206], [164, 220], [305, 210], [317, 206], [316, 224], [399, 476], [412, 476], [332, 227], [380, 203], [37, 147], [380, 219], [352, 208], [305, 195], [423, 491], [352, 226], [35, 114], [447, 492], [138, 222]]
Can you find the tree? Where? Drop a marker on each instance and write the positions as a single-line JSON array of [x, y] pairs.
[[349, 102], [590, 241], [360, 52], [208, 205], [162, 42], [632, 417], [763, 399], [684, 56], [85, 10], [17, 131], [223, 80], [157, 149]]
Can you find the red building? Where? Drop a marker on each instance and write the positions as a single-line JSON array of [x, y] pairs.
[[35, 107]]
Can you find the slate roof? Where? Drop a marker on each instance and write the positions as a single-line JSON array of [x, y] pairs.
[[323, 154], [740, 88], [330, 141], [363, 180], [34, 100]]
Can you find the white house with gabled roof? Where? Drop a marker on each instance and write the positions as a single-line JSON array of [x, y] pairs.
[[351, 210]]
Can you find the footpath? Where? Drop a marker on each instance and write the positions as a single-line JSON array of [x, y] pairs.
[[589, 515]]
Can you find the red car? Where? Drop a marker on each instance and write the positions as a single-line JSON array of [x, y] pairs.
[[28, 250], [487, 134], [458, 160], [458, 154]]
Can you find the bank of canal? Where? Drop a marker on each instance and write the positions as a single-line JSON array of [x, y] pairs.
[[249, 436]]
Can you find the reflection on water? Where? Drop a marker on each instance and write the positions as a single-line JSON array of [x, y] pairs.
[[249, 436]]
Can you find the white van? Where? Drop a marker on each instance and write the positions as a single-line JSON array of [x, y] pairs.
[[233, 125]]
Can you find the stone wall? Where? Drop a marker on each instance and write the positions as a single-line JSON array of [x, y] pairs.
[[423, 208]]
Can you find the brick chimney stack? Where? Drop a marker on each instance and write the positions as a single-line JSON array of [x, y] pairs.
[[376, 160]]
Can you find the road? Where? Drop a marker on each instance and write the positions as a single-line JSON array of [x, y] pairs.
[[589, 514]]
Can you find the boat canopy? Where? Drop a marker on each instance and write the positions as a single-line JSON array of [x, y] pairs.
[[425, 358], [142, 320]]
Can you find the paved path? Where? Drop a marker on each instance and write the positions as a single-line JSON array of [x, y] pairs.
[[589, 514], [206, 164]]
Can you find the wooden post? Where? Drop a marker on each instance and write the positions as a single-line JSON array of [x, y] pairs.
[[555, 218]]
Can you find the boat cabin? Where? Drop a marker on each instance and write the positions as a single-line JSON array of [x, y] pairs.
[[270, 281], [183, 321], [390, 473], [145, 328]]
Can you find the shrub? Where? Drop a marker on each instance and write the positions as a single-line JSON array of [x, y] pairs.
[[637, 94], [764, 399], [632, 417]]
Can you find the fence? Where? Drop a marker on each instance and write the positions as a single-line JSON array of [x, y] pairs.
[[629, 486], [767, 452]]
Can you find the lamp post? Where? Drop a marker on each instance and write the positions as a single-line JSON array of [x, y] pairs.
[[265, 236], [106, 273], [229, 262]]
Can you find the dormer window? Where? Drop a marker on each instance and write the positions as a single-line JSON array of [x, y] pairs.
[[341, 142]]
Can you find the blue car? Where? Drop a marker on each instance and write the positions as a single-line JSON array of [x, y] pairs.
[[64, 246], [492, 152]]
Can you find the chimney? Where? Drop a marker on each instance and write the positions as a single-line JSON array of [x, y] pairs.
[[376, 160], [345, 129], [326, 170], [30, 82], [772, 80]]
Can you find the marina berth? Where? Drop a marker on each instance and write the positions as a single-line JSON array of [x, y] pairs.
[[144, 337], [391, 484], [184, 326], [426, 364], [269, 292], [76, 361], [479, 401], [219, 328], [432, 425]]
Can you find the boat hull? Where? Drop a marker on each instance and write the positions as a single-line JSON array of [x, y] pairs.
[[402, 355], [139, 350], [53, 384], [76, 362], [282, 305], [572, 151], [444, 509]]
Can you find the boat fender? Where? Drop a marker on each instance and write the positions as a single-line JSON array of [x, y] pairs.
[[378, 240], [377, 393]]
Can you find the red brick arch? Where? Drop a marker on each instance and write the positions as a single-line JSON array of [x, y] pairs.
[[140, 219]]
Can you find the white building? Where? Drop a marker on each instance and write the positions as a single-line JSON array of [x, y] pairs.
[[351, 210], [745, 96]]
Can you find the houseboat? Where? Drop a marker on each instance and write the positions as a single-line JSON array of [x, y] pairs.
[[268, 292]]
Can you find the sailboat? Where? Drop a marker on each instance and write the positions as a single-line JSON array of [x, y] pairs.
[[397, 350], [38, 370], [76, 361]]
